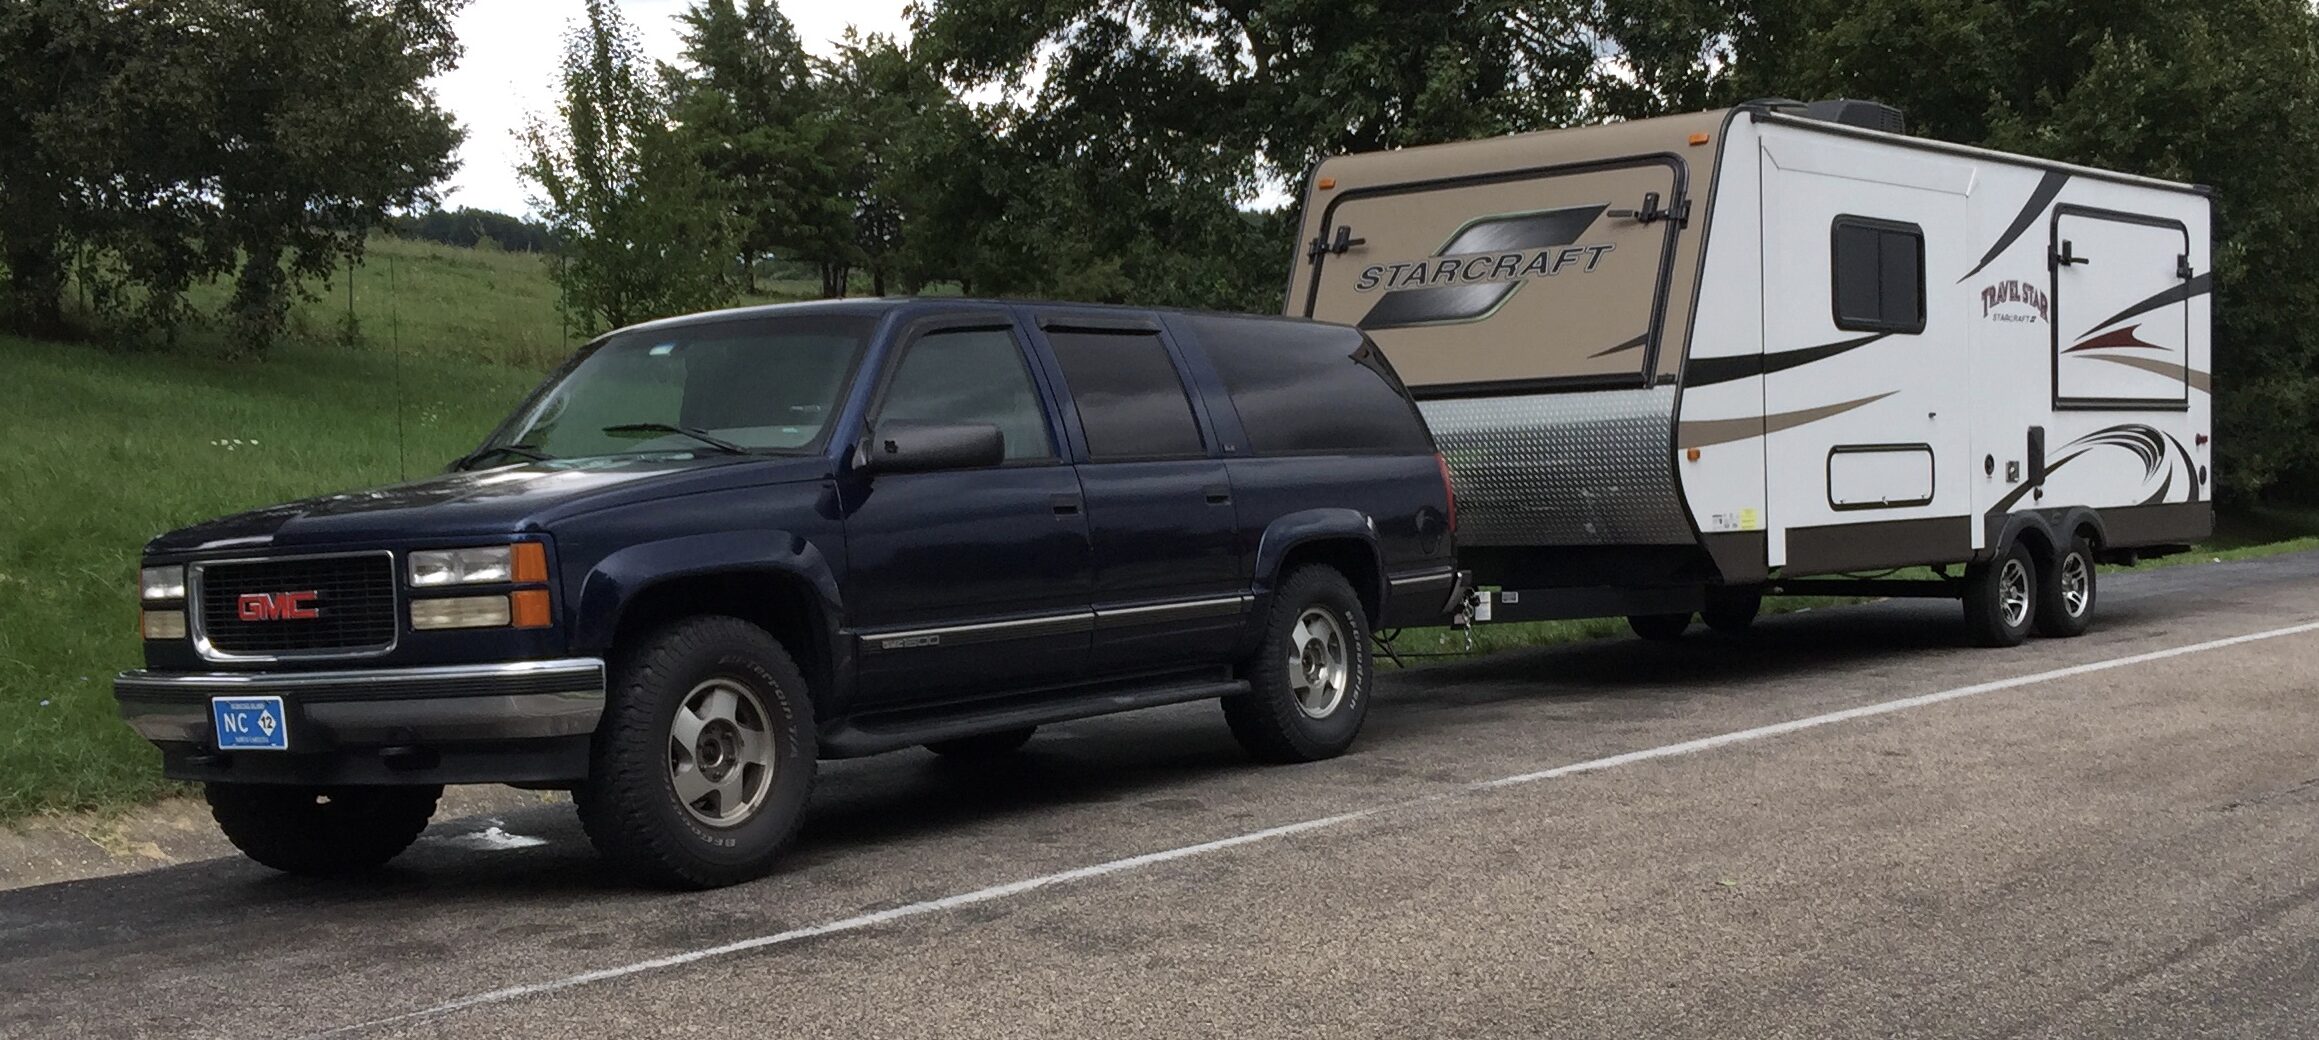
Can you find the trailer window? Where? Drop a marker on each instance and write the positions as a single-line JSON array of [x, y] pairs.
[[1879, 275], [1130, 399], [1303, 388]]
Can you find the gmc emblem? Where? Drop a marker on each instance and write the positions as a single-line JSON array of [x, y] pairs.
[[276, 606]]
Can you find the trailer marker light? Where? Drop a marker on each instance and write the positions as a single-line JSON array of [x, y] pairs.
[[1327, 184], [1699, 139], [1691, 453]]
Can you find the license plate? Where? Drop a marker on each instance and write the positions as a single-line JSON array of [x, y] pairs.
[[250, 723]]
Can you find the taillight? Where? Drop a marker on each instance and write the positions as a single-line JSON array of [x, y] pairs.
[[1448, 492]]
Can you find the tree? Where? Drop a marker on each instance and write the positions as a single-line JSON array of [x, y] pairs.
[[642, 227], [322, 125], [750, 112], [146, 145]]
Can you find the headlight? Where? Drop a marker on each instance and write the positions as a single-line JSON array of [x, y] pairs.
[[462, 612], [161, 583], [526, 563], [162, 624]]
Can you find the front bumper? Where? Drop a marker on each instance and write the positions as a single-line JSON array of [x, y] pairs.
[[517, 722]]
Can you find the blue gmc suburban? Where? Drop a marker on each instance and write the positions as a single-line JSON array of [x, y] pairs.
[[709, 551]]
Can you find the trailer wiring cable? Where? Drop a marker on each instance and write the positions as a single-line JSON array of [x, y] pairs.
[[1384, 641]]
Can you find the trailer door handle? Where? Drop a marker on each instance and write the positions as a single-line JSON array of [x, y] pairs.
[[2068, 255], [1066, 505]]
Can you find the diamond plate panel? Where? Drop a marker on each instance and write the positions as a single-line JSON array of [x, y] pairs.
[[1563, 469]]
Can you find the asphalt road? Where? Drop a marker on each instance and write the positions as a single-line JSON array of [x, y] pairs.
[[1842, 826]]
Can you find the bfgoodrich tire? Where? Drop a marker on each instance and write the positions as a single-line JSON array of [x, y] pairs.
[[2066, 592], [2001, 598], [1309, 680], [321, 831], [702, 764]]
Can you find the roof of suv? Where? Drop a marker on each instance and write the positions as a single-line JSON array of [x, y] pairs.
[[882, 306]]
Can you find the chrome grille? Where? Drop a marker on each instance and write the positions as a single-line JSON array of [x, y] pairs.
[[354, 600]]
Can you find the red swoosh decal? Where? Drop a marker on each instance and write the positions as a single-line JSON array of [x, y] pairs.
[[2122, 338]]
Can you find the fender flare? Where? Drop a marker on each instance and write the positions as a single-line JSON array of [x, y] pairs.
[[618, 579], [1306, 526]]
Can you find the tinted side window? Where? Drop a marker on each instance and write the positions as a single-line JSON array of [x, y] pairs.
[[1130, 398], [1879, 275], [970, 376], [1310, 388]]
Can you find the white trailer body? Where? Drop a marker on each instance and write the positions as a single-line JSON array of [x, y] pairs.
[[1736, 348]]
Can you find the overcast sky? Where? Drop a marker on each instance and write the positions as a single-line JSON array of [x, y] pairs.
[[510, 67]]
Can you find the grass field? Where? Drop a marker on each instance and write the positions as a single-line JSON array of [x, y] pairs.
[[109, 448]]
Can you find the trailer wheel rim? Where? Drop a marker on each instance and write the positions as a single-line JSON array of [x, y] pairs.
[[721, 752], [2013, 593], [1318, 665], [2076, 585]]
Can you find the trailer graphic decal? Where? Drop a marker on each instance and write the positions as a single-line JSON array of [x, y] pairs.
[[1710, 371], [1481, 267], [2047, 190], [2155, 448], [2198, 286]]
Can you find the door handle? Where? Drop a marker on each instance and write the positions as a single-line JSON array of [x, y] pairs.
[[1218, 494], [1066, 505]]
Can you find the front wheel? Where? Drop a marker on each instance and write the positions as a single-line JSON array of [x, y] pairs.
[[701, 767], [1309, 679], [2001, 598], [2065, 602], [321, 831]]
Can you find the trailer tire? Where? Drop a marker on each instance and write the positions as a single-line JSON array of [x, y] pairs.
[[695, 704], [984, 745], [2001, 598], [321, 831], [1730, 610], [1309, 679], [1660, 628], [2066, 592]]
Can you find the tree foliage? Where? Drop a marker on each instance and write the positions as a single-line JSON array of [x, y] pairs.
[[146, 145], [644, 229]]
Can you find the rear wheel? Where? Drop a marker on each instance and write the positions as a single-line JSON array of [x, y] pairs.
[[2001, 598], [984, 745], [1309, 679], [2065, 602], [1731, 610], [1659, 627], [702, 764], [321, 831]]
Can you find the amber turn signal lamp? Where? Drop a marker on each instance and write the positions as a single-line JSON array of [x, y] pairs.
[[1691, 453], [530, 563], [530, 608], [1698, 139]]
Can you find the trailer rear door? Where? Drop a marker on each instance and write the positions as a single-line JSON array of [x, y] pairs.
[[2121, 310], [1511, 281]]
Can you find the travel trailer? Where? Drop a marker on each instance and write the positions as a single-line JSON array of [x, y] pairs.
[[1677, 364]]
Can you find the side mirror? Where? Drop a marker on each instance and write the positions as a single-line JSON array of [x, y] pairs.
[[919, 447]]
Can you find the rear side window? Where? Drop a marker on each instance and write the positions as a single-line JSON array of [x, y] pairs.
[[1303, 388], [1131, 401], [1879, 275]]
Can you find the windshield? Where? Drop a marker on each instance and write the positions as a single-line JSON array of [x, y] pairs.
[[755, 384]]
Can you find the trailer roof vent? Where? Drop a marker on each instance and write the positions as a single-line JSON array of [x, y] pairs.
[[1867, 115]]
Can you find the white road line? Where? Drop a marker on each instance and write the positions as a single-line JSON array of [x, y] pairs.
[[1015, 888]]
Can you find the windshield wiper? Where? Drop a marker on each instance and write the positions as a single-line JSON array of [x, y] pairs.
[[710, 439], [525, 451]]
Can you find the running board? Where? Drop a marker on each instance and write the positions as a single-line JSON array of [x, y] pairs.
[[874, 735]]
